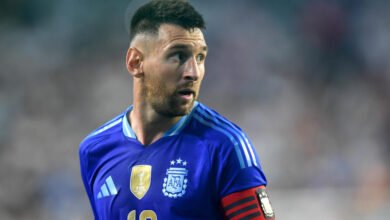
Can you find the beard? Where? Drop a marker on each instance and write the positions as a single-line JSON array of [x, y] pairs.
[[166, 101]]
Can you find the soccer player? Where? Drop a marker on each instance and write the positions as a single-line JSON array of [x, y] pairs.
[[168, 156]]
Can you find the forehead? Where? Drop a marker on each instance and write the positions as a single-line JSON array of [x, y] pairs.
[[170, 35]]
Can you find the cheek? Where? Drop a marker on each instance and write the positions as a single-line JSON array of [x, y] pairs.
[[161, 69], [202, 71], [169, 74], [162, 73]]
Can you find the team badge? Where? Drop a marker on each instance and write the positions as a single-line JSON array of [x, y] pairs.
[[265, 203], [175, 181], [140, 180]]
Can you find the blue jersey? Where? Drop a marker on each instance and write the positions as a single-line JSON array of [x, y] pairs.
[[183, 175]]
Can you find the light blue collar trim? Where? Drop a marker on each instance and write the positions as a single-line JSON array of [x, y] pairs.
[[181, 124], [127, 130], [176, 129]]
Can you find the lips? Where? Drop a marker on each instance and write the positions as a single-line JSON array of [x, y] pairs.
[[186, 94]]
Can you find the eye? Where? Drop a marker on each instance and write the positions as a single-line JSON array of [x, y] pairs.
[[177, 57], [200, 58]]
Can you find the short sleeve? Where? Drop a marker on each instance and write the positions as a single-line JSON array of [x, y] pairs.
[[237, 167], [83, 154]]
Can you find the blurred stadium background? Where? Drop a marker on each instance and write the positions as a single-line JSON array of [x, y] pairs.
[[308, 80]]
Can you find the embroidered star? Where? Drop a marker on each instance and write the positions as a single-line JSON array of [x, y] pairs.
[[172, 162], [184, 163], [178, 161]]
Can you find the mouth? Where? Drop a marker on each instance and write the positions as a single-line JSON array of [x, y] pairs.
[[186, 94]]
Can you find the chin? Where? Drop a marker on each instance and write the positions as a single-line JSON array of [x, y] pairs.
[[179, 109], [173, 108], [182, 110], [188, 107]]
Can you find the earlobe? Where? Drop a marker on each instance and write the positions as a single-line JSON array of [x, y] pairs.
[[134, 61]]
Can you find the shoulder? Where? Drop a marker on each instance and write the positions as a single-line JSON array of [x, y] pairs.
[[211, 124], [225, 137], [112, 127]]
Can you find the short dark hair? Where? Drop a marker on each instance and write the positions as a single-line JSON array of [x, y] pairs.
[[149, 17]]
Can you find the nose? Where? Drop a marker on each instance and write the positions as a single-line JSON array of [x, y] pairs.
[[191, 70]]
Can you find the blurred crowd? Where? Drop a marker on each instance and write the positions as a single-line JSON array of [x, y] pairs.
[[307, 80]]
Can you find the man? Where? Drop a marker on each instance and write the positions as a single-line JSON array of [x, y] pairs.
[[169, 156]]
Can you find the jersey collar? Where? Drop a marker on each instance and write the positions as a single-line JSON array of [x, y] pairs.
[[175, 129]]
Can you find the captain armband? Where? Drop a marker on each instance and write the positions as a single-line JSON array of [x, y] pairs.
[[251, 203]]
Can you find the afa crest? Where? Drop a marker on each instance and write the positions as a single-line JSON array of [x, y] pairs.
[[175, 181]]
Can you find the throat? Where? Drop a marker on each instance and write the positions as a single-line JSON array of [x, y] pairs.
[[150, 131], [150, 139]]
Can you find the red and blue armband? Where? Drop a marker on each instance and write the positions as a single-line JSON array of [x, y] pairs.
[[248, 204]]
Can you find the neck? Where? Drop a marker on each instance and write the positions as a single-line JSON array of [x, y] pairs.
[[148, 125]]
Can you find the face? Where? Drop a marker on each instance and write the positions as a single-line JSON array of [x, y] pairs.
[[173, 70]]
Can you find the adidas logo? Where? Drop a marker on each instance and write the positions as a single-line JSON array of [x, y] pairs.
[[107, 189]]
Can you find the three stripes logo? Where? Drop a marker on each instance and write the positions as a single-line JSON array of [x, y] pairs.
[[107, 189]]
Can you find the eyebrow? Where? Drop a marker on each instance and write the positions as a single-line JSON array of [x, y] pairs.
[[186, 47]]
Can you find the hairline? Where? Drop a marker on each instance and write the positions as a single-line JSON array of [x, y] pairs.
[[156, 33], [144, 44]]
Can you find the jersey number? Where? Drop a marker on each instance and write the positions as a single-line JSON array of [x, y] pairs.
[[145, 215]]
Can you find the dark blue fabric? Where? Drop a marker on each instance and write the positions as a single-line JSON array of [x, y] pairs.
[[209, 158]]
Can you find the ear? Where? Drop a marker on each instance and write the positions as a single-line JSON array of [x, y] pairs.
[[134, 61]]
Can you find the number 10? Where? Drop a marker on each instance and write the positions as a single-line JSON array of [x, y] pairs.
[[145, 214]]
